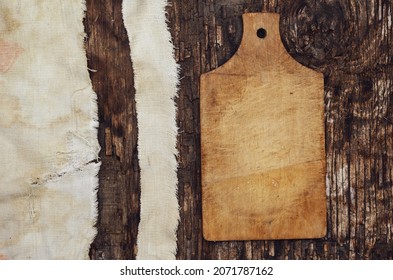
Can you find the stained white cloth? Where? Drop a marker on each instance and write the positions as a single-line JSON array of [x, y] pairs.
[[48, 132]]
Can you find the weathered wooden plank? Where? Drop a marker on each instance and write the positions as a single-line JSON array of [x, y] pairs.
[[349, 41], [108, 56]]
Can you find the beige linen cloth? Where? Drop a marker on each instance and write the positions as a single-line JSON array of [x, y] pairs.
[[156, 81], [48, 135]]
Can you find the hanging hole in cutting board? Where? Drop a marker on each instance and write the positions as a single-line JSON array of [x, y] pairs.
[[261, 33]]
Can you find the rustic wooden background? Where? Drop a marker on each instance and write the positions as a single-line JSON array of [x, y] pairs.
[[349, 41]]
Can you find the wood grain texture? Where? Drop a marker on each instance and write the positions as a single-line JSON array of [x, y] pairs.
[[349, 41], [262, 142], [108, 56]]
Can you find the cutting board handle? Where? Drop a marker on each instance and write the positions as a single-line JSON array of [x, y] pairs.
[[261, 33]]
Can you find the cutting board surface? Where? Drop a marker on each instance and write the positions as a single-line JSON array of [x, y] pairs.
[[262, 141]]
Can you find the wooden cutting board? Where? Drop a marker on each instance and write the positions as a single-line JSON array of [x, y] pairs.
[[262, 138]]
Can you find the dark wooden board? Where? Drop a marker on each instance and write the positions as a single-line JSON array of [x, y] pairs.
[[349, 41]]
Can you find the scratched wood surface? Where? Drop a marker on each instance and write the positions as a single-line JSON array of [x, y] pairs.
[[348, 41]]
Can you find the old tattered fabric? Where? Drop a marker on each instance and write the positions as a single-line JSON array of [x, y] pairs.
[[48, 132], [156, 79]]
